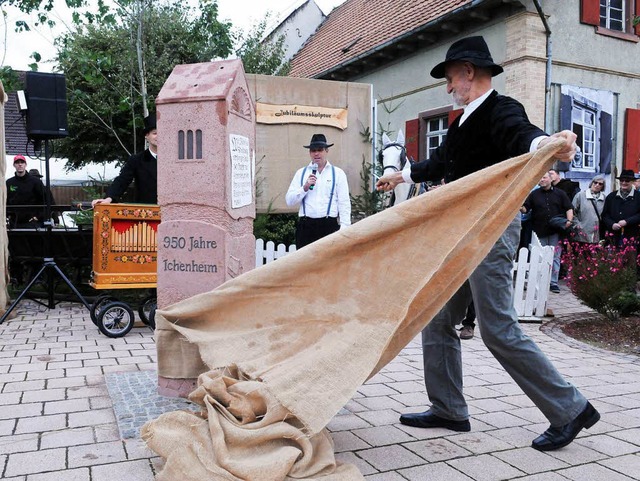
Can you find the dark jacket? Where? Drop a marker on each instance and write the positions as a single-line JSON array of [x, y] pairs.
[[143, 168], [569, 187], [545, 204], [25, 190], [497, 130], [616, 208]]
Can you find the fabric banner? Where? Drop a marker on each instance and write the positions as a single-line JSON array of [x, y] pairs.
[[308, 329], [301, 114]]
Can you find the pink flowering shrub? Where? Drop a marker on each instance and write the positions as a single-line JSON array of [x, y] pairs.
[[600, 275]]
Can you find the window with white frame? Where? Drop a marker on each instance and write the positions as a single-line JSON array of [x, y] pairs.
[[584, 121], [436, 132], [613, 15]]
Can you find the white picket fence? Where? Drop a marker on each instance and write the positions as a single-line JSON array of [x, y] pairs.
[[531, 273], [268, 252]]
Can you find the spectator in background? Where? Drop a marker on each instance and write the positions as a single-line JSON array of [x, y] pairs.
[[24, 189], [587, 210], [54, 215], [545, 204], [569, 187], [621, 212]]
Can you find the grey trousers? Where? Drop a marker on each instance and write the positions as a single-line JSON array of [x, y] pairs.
[[491, 288], [554, 241]]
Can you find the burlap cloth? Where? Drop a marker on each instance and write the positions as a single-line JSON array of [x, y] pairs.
[[300, 335]]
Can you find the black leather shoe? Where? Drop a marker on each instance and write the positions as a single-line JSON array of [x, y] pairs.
[[556, 438], [429, 420]]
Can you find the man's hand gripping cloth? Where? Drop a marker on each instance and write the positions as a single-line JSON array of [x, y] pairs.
[[291, 342]]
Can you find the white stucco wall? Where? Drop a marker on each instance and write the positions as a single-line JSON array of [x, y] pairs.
[[298, 27]]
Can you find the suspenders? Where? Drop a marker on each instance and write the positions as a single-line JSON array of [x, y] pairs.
[[333, 186]]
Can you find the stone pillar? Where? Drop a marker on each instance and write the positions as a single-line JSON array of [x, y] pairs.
[[525, 64], [206, 164]]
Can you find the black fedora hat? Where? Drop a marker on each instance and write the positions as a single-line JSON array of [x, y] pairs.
[[150, 123], [627, 174], [318, 141], [470, 49]]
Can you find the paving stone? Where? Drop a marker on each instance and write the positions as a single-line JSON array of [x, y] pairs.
[[35, 462], [434, 472], [93, 454], [629, 465], [480, 442], [607, 445], [20, 410], [348, 457], [41, 424], [391, 476], [485, 468], [80, 474], [66, 437], [382, 435], [18, 443], [592, 472], [380, 418], [434, 450], [628, 435], [92, 418], [530, 461], [347, 441], [387, 458], [130, 470], [347, 422]]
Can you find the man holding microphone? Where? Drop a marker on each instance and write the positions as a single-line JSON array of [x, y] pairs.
[[322, 192]]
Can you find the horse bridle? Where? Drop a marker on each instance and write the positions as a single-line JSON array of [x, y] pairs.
[[403, 156]]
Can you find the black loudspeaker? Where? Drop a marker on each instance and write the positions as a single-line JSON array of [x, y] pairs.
[[47, 105]]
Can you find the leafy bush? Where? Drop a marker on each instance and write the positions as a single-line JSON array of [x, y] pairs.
[[601, 275], [626, 303], [279, 228]]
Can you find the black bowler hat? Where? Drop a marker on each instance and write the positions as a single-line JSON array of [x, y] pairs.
[[318, 141], [149, 123], [470, 49], [627, 174]]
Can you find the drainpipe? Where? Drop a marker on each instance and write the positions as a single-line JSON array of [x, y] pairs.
[[547, 81]]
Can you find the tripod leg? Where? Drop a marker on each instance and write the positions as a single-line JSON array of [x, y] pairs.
[[22, 294], [71, 286]]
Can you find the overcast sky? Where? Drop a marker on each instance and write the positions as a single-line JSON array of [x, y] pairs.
[[16, 48]]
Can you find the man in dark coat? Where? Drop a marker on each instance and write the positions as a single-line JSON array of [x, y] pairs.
[[621, 212], [141, 167], [544, 204], [569, 187], [24, 189], [492, 128]]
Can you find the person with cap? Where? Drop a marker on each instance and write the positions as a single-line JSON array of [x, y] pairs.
[[551, 214], [24, 189], [141, 167], [491, 129], [621, 211], [322, 192]]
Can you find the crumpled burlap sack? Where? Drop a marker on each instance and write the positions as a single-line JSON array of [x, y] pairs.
[[307, 330]]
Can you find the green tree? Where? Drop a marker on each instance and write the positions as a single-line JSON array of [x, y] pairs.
[[113, 63], [260, 55]]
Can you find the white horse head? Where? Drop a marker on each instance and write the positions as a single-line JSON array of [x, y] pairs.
[[394, 159]]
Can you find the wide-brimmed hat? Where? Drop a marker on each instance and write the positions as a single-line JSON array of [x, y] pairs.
[[318, 141], [627, 174], [150, 123], [470, 49], [19, 158]]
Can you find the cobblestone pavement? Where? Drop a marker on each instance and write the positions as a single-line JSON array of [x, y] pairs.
[[72, 401]]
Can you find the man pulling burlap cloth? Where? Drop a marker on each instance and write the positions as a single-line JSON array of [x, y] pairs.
[[291, 342]]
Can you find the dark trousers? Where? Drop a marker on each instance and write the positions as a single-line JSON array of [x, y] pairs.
[[309, 230]]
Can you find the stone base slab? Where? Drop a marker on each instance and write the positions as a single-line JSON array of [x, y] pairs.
[[180, 388]]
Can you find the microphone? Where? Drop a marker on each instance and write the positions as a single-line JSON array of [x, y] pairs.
[[314, 171]]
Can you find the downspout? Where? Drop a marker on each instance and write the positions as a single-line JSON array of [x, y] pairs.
[[547, 80]]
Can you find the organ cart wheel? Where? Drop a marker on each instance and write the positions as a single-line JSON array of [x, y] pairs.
[[115, 319], [152, 317], [145, 309], [97, 306]]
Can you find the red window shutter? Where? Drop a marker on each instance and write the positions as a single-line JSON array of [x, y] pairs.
[[637, 12], [632, 140], [454, 114], [412, 138], [590, 12]]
